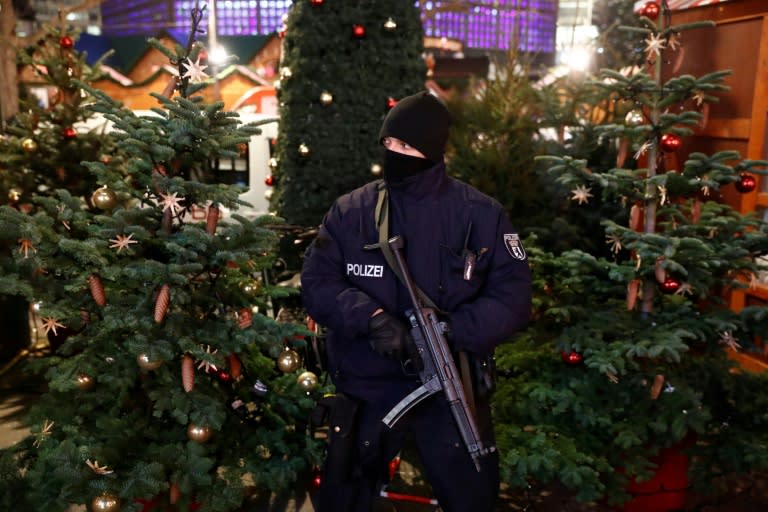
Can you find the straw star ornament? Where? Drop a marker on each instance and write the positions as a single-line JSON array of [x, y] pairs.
[[122, 242], [581, 194], [195, 71]]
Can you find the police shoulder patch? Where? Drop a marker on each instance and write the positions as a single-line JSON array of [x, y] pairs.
[[514, 246]]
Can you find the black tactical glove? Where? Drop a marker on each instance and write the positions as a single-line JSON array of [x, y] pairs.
[[390, 337]]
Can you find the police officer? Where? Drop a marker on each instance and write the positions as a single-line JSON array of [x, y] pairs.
[[465, 256]]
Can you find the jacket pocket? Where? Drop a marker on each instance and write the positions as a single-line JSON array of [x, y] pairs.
[[463, 274]]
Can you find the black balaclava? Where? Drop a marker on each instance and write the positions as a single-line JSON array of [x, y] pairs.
[[422, 121]]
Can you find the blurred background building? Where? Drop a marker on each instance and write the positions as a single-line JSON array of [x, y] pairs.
[[481, 27]]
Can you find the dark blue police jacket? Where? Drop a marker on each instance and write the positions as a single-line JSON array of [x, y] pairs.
[[440, 219]]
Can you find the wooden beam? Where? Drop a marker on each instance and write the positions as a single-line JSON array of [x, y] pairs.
[[737, 128], [749, 362]]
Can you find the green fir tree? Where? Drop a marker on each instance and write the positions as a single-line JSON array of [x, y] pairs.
[[627, 351], [172, 386], [616, 48], [41, 150], [344, 65], [495, 140], [47, 141]]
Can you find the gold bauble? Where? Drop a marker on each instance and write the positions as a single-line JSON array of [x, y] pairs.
[[288, 361], [105, 503], [376, 169], [14, 195], [634, 117], [307, 381], [199, 433], [84, 382], [303, 150], [148, 363], [252, 288], [272, 163], [104, 198], [29, 145], [326, 98], [390, 25]]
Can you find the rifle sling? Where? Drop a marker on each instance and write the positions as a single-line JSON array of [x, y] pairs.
[[382, 225]]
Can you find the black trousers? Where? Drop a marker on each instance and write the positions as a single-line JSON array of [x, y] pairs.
[[456, 483]]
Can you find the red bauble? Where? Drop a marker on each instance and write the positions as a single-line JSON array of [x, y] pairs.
[[670, 285], [69, 133], [316, 2], [224, 376], [393, 467], [572, 358], [650, 10], [670, 142], [358, 31], [66, 43], [317, 478], [269, 180], [746, 183], [391, 102]]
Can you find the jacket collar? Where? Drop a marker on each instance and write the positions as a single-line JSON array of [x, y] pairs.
[[422, 184]]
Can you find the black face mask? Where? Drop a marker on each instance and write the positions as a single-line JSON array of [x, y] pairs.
[[398, 166]]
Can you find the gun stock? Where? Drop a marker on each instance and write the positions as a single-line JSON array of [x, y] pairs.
[[439, 368]]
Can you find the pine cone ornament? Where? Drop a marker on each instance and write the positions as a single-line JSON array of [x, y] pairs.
[[167, 222], [212, 220], [161, 303], [658, 384], [173, 494], [636, 217], [633, 288], [188, 373], [97, 289], [235, 366]]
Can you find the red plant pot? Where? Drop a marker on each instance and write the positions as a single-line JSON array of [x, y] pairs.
[[157, 505], [668, 488]]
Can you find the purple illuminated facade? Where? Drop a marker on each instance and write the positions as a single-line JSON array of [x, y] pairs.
[[494, 25], [491, 25]]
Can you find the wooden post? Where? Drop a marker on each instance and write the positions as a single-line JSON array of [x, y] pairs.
[[9, 86]]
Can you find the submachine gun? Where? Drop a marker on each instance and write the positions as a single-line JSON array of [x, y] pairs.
[[438, 372]]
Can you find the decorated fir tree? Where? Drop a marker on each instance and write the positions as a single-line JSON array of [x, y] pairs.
[[627, 354], [494, 141], [504, 124], [614, 49], [42, 148], [344, 66], [172, 387], [47, 141]]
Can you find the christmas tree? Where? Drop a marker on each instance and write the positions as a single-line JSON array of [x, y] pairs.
[[627, 355], [615, 50], [344, 66], [42, 148], [172, 385], [47, 141], [502, 127]]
